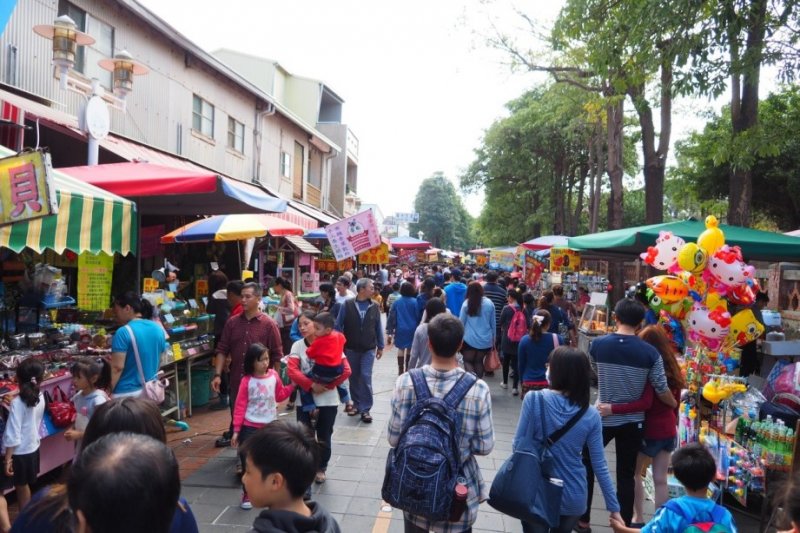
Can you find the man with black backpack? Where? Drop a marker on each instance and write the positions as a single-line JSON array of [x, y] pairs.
[[441, 419]]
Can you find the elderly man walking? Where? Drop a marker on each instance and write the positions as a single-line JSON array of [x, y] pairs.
[[360, 321]]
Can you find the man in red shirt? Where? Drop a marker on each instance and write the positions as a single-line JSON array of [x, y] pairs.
[[242, 330]]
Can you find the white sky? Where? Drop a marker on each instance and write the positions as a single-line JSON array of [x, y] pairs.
[[419, 83]]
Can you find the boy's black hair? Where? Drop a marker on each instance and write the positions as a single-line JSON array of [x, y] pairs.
[[325, 320], [252, 355], [445, 333], [235, 287], [694, 466], [629, 312], [288, 448], [121, 468]]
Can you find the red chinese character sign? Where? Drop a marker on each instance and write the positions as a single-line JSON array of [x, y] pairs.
[[353, 235], [533, 268], [26, 190], [375, 256]]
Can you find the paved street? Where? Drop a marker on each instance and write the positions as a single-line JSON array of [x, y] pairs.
[[352, 492]]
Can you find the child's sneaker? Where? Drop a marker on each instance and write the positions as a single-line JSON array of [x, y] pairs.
[[246, 505]]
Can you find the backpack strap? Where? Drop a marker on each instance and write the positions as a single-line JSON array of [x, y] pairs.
[[421, 390], [463, 385]]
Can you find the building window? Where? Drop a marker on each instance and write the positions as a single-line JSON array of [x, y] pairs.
[[202, 117], [87, 57], [235, 135], [286, 165]]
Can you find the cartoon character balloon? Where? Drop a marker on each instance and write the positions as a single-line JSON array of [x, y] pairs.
[[744, 294], [674, 330], [708, 327], [727, 270], [692, 258], [670, 289], [744, 328], [712, 238], [664, 255]]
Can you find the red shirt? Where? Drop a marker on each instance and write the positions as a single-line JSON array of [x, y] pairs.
[[237, 336], [237, 310], [660, 420], [327, 350]]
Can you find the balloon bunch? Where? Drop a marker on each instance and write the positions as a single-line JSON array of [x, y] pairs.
[[691, 300]]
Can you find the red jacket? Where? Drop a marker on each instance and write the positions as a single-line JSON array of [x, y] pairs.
[[660, 420], [327, 350]]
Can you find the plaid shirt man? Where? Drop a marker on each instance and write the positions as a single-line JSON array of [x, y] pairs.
[[477, 436]]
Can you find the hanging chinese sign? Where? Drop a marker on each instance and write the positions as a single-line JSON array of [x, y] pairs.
[[533, 268], [502, 260], [26, 188], [353, 235], [94, 281], [564, 260], [375, 256], [332, 265]]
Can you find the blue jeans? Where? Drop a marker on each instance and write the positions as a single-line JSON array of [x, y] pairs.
[[361, 378]]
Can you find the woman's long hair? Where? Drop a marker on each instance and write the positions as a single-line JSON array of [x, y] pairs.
[[656, 336], [474, 298], [571, 374]]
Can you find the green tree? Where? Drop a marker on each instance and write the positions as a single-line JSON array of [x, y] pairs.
[[706, 158], [443, 219]]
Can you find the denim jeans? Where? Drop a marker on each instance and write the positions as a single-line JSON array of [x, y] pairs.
[[361, 379], [565, 526], [628, 441]]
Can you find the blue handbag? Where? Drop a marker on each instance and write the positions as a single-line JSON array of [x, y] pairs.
[[524, 487]]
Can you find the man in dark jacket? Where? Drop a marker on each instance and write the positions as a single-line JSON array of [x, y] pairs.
[[360, 321]]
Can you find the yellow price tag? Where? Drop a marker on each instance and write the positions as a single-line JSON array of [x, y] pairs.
[[176, 351], [159, 300], [170, 295]]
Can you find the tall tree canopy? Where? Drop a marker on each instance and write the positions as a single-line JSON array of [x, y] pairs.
[[442, 217], [772, 153]]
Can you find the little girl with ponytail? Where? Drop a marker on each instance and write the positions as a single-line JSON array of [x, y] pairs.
[[21, 437]]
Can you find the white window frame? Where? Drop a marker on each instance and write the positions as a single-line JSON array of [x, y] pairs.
[[86, 57], [203, 119], [235, 135], [286, 165]]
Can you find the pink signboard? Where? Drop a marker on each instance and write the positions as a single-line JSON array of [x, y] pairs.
[[353, 235]]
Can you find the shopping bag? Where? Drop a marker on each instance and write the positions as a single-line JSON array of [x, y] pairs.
[[60, 408], [492, 361]]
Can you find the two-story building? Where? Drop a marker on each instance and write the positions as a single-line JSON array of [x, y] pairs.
[[315, 103], [191, 109]]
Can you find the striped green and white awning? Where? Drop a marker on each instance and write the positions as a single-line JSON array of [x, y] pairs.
[[89, 219]]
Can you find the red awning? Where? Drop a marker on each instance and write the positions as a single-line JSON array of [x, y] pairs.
[[163, 190]]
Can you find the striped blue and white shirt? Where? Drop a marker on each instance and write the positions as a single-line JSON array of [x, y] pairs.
[[624, 364]]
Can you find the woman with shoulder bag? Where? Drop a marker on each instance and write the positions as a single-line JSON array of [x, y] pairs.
[[570, 379]]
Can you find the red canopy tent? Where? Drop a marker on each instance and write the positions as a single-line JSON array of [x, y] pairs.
[[161, 190], [409, 243], [545, 242]]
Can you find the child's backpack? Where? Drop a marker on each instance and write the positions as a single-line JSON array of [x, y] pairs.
[[421, 471], [714, 524], [518, 327]]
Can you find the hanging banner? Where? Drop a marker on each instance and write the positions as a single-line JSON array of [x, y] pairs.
[[26, 187], [481, 260], [332, 265], [375, 256], [502, 260], [406, 256], [564, 260], [353, 235], [309, 282], [533, 268], [94, 281]]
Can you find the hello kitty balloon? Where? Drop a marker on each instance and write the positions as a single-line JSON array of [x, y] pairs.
[[727, 270], [664, 255], [708, 327]]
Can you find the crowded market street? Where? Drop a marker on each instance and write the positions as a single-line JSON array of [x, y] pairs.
[[352, 490]]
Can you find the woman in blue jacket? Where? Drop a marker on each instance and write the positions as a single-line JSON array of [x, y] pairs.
[[402, 322], [480, 325]]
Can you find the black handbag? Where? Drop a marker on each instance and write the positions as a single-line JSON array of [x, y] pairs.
[[524, 487]]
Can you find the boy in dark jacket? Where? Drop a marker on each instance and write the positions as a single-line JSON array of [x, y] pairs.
[[282, 460]]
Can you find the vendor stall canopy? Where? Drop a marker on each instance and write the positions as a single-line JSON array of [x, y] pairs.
[[756, 245], [409, 243], [89, 219], [160, 190]]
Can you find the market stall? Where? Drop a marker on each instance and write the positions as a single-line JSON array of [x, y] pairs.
[[56, 280]]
